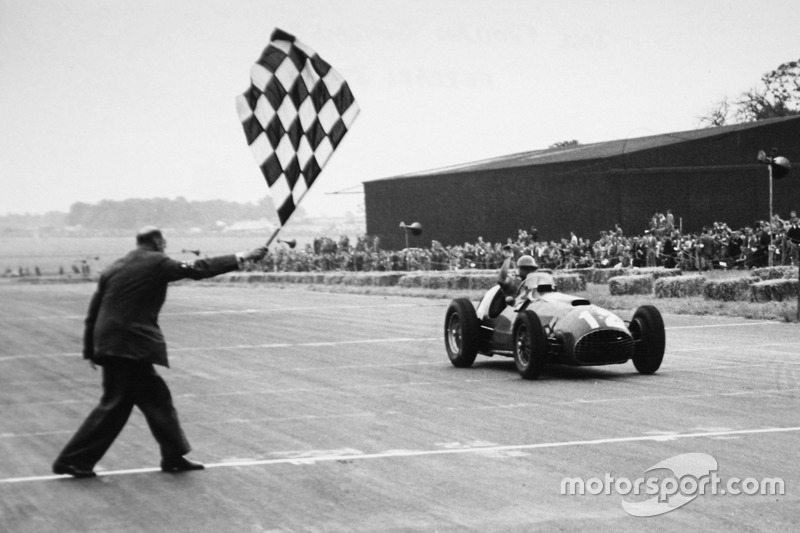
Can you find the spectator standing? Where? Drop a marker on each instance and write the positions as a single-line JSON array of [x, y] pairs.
[[793, 238], [706, 250], [651, 245]]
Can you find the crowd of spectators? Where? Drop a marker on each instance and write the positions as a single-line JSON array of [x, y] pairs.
[[663, 243]]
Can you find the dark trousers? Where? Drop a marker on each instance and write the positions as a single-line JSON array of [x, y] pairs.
[[127, 383]]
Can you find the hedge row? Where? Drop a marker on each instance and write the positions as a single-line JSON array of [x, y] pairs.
[[468, 280]]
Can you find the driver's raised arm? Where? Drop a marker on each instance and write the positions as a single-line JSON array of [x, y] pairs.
[[502, 275], [506, 282]]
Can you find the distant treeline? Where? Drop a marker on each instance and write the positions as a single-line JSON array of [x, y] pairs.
[[133, 213], [165, 213]]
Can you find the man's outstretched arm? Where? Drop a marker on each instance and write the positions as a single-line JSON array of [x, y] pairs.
[[208, 268]]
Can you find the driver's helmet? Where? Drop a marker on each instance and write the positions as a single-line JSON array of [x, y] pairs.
[[525, 265]]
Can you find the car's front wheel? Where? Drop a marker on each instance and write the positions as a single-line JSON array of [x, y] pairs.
[[461, 330], [647, 328], [530, 345]]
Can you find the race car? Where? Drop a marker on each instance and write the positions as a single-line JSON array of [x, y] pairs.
[[541, 326]]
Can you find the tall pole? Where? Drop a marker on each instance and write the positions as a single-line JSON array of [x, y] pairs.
[[769, 248]]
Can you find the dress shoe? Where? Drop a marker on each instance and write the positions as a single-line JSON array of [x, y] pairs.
[[181, 464], [72, 470]]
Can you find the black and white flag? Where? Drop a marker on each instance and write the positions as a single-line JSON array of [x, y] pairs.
[[295, 113]]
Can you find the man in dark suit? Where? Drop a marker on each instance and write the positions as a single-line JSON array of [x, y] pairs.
[[122, 335]]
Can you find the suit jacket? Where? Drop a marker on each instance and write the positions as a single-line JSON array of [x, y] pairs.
[[123, 314]]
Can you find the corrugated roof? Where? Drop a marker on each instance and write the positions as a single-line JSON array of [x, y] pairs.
[[592, 151]]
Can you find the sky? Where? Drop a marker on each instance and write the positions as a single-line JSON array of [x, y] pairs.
[[112, 99]]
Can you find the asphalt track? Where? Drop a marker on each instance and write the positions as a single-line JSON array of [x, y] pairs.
[[317, 411]]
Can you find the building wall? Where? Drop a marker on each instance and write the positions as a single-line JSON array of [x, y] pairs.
[[702, 181]]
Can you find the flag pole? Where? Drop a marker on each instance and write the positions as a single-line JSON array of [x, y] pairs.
[[272, 237]]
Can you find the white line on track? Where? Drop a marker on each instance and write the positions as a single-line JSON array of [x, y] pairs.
[[427, 453], [280, 310], [316, 309], [242, 347], [737, 325], [738, 347]]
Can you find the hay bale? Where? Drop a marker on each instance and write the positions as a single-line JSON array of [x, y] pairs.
[[434, 281], [584, 273], [570, 282], [484, 282], [655, 272], [335, 279], [729, 290], [443, 280], [776, 272], [622, 285], [385, 279], [459, 281], [679, 286], [358, 280], [774, 290], [413, 281], [481, 280], [604, 275]]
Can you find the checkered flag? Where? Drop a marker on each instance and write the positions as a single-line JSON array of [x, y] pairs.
[[295, 113]]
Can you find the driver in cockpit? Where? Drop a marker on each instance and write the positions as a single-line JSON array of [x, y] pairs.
[[510, 284]]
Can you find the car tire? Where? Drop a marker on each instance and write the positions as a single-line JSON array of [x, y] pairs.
[[647, 328], [461, 329], [530, 345]]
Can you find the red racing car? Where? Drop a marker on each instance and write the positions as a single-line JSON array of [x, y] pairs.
[[542, 325]]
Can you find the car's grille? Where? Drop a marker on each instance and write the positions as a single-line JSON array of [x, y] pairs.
[[604, 346]]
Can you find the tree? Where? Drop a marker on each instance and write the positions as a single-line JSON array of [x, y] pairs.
[[565, 144], [133, 213], [776, 95], [718, 115]]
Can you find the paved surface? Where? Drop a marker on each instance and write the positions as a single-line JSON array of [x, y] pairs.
[[332, 412]]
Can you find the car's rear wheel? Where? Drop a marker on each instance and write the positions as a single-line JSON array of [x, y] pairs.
[[647, 328], [461, 330], [530, 345]]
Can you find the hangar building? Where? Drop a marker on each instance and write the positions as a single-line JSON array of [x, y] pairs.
[[703, 175]]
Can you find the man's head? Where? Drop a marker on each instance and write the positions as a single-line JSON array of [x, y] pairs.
[[525, 265], [151, 238]]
